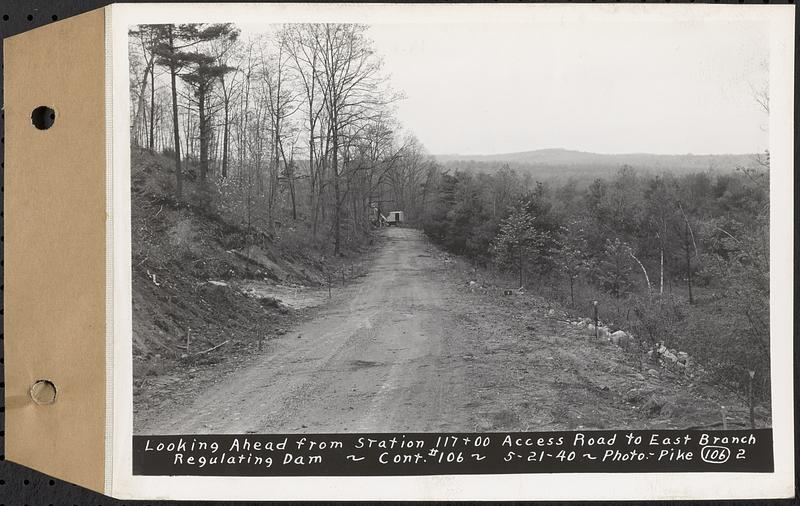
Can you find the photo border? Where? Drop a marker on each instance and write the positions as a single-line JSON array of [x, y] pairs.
[[596, 486]]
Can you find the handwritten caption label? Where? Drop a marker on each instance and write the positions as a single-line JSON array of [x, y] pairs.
[[456, 453]]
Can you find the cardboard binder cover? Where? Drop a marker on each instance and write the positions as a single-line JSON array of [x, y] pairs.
[[55, 248]]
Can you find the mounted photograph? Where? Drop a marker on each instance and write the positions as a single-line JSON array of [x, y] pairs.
[[450, 226]]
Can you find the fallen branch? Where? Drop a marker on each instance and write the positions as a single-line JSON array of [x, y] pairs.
[[212, 348]]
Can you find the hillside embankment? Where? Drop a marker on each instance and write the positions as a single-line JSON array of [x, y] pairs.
[[208, 289]]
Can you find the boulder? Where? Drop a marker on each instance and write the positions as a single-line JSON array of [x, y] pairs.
[[621, 338]]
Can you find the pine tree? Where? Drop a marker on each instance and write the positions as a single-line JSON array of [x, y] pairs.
[[177, 50], [518, 239]]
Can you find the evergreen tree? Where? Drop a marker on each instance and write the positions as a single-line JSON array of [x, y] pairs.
[[518, 239]]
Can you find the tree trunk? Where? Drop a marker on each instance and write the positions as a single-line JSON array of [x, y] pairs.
[[140, 108], [312, 174], [688, 263], [276, 163], [661, 281], [292, 193], [336, 210], [151, 138], [189, 132], [225, 135], [646, 277], [175, 126], [203, 131]]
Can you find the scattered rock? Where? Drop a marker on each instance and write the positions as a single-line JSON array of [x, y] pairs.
[[273, 302], [653, 373], [654, 405], [620, 338], [669, 356], [634, 396]]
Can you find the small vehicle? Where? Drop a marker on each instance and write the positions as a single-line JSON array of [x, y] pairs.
[[395, 218]]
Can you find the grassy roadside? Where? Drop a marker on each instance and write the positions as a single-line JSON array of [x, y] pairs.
[[533, 366]]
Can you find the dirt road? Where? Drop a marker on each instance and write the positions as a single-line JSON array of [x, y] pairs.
[[374, 360], [408, 348]]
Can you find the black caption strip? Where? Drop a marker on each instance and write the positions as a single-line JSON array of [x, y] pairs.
[[455, 453]]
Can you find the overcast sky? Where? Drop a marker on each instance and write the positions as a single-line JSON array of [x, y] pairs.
[[615, 87], [606, 86]]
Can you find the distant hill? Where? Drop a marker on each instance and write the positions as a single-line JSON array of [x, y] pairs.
[[566, 163]]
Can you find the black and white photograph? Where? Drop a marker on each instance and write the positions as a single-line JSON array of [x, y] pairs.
[[450, 227]]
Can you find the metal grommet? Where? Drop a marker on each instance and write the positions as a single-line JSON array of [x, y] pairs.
[[44, 392]]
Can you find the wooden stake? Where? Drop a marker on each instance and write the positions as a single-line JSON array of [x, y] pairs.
[[752, 400], [596, 320], [188, 332], [724, 418]]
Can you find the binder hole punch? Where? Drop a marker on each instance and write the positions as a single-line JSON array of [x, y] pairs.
[[43, 117], [43, 392]]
